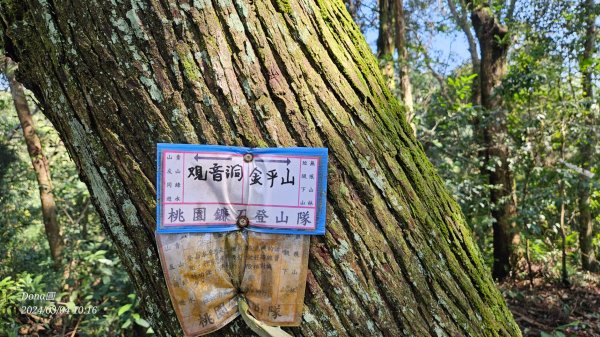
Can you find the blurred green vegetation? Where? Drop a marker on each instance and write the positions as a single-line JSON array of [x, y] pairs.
[[93, 287], [543, 99]]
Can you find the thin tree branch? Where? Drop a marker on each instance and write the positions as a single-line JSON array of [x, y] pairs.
[[462, 21]]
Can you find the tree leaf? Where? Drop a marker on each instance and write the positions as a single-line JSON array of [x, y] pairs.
[[123, 309], [142, 322]]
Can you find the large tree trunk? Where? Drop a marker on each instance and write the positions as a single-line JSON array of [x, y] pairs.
[[385, 42], [493, 43], [586, 145], [397, 258], [39, 163], [403, 65]]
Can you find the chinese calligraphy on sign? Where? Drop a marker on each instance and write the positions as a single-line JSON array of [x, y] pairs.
[[206, 189], [210, 264]]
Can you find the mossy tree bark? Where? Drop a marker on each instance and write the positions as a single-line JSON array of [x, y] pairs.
[[39, 161], [494, 42], [586, 145], [115, 79]]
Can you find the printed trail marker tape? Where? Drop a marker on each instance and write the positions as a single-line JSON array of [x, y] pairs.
[[233, 228]]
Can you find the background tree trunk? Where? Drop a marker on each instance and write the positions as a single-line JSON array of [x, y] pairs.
[[586, 145], [39, 162], [397, 258], [493, 43], [385, 42], [564, 274], [403, 65]]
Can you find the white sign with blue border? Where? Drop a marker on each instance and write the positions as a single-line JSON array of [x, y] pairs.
[[208, 188]]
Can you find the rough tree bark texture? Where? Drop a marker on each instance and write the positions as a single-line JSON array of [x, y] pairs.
[[116, 78], [586, 145], [493, 43], [403, 66], [385, 42], [39, 162]]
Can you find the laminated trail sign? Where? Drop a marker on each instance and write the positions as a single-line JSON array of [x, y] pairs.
[[233, 228]]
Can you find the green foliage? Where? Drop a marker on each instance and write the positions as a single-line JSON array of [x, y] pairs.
[[11, 292], [448, 132], [92, 287], [546, 113], [127, 316]]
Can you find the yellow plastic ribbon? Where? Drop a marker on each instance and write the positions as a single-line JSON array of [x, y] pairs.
[[257, 326]]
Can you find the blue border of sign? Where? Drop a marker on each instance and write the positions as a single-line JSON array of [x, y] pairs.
[[307, 151]]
